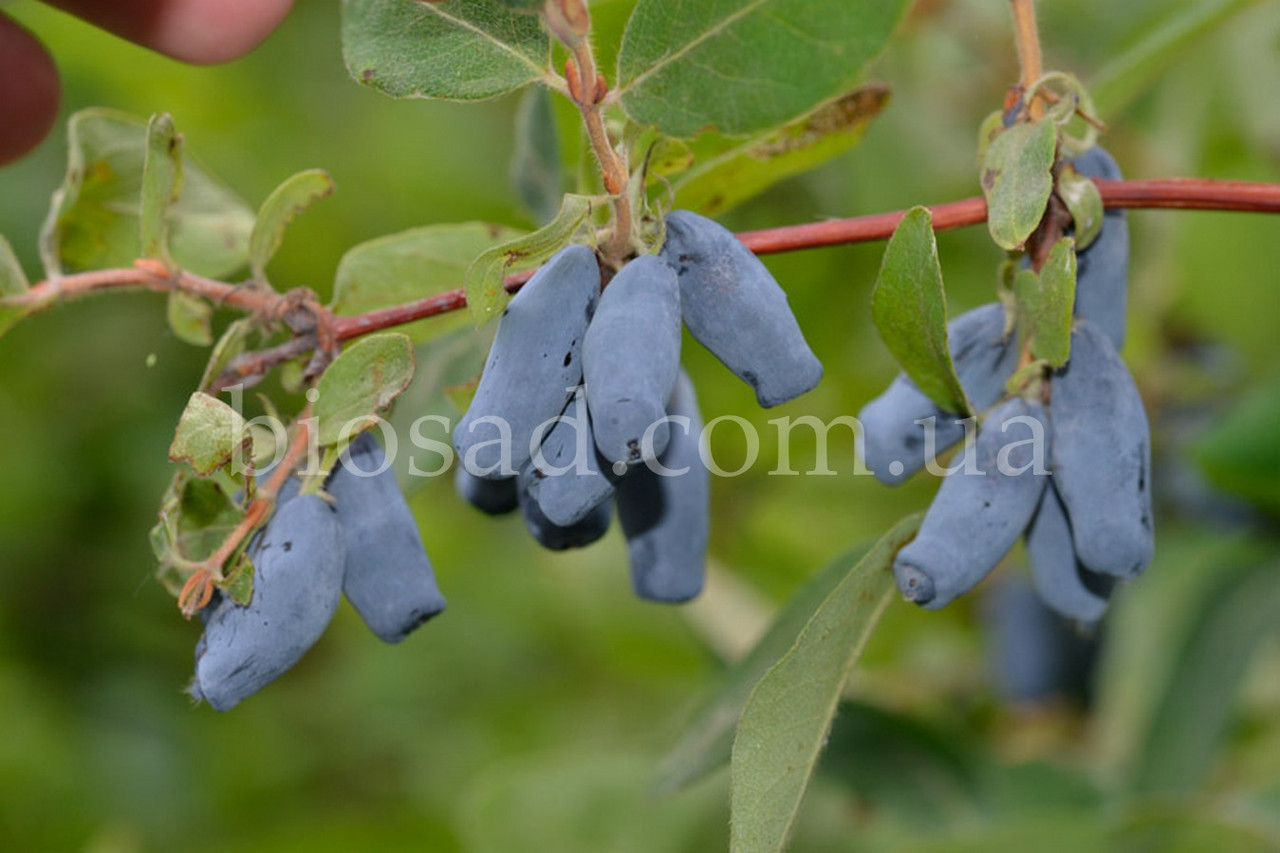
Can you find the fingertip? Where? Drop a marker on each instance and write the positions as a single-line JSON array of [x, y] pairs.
[[207, 32], [29, 91], [200, 32]]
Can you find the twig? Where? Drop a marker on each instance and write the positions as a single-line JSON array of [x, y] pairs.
[[1028, 40], [571, 24], [1167, 194]]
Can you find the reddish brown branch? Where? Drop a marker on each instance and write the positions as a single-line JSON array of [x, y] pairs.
[[1171, 193]]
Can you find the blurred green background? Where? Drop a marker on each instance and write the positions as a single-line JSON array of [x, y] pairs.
[[531, 715]]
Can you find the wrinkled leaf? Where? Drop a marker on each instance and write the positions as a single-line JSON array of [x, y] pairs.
[[486, 297], [1084, 202], [196, 516], [721, 179], [93, 222], [411, 265], [209, 433], [1017, 180], [459, 50], [535, 162], [285, 204], [708, 741], [1045, 303], [1163, 42], [744, 66], [190, 318], [785, 723], [363, 381], [910, 311], [1184, 734], [161, 184]]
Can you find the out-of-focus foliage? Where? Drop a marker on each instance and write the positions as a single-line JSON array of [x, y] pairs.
[[533, 713]]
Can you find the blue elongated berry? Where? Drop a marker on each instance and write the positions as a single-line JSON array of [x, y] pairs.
[[1061, 582], [630, 360], [554, 537], [733, 306], [666, 519], [567, 480], [298, 561], [494, 497], [1102, 267], [533, 366], [984, 358], [976, 517], [389, 579], [1102, 456]]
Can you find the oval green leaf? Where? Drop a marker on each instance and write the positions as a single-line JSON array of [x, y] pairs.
[[1084, 202], [462, 50], [209, 433], [414, 264], [785, 723], [728, 172], [363, 381], [161, 183], [1017, 180], [486, 297], [1045, 303], [909, 308], [285, 204], [93, 221], [708, 741], [689, 65]]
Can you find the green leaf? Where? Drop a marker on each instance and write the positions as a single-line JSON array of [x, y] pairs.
[[486, 297], [284, 205], [196, 516], [1017, 180], [13, 282], [785, 723], [93, 221], [1045, 303], [363, 381], [161, 185], [190, 318], [238, 583], [209, 434], [234, 341], [535, 162], [414, 264], [1240, 455], [737, 171], [909, 308], [708, 741], [459, 50], [1162, 43], [1084, 202], [1184, 733], [743, 66]]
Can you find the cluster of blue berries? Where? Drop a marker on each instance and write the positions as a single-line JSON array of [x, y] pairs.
[[1068, 465], [583, 407]]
